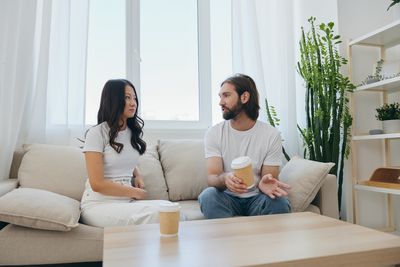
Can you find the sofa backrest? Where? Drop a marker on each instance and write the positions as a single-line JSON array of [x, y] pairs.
[[184, 167], [174, 169], [62, 170]]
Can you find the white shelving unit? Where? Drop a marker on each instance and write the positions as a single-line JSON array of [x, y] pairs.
[[383, 38], [376, 136], [388, 85]]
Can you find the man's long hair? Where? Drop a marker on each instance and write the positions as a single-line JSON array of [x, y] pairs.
[[244, 83], [112, 105]]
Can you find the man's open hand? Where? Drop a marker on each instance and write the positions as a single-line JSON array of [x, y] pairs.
[[273, 187]]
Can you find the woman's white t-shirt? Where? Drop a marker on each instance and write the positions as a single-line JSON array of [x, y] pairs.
[[115, 164]]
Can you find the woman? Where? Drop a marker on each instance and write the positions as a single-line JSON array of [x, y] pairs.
[[112, 149]]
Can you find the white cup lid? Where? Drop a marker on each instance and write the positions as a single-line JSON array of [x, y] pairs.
[[169, 207], [240, 162]]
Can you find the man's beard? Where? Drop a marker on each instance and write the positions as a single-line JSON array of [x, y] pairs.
[[232, 113]]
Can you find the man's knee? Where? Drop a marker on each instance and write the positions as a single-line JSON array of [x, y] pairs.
[[280, 205], [213, 204], [209, 195], [266, 205]]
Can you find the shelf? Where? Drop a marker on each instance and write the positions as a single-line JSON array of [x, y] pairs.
[[389, 85], [387, 36], [376, 136], [385, 179], [380, 187]]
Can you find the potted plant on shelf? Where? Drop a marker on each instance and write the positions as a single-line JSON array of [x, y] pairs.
[[326, 135], [377, 76], [389, 114]]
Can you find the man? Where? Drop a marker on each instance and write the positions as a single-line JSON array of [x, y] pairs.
[[241, 134]]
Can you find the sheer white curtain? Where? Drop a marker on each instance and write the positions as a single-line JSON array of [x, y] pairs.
[[17, 64], [42, 73], [263, 47], [65, 108]]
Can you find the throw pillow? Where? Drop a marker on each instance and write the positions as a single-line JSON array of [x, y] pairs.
[[153, 176], [39, 209], [56, 168], [306, 178], [184, 167]]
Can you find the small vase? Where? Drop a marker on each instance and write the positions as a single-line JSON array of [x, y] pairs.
[[391, 126]]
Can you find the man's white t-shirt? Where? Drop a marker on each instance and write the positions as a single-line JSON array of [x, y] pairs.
[[262, 143]]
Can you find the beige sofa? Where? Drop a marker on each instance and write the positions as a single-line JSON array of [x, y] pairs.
[[173, 170]]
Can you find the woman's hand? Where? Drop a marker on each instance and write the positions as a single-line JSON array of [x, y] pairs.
[[139, 193], [273, 187], [138, 182]]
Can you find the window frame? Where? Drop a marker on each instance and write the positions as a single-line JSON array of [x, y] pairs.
[[204, 65]]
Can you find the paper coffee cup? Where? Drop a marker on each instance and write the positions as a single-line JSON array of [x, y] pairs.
[[243, 169], [169, 219]]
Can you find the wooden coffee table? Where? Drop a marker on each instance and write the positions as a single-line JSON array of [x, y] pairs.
[[296, 239]]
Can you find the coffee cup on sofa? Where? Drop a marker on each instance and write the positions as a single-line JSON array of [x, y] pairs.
[[169, 219], [242, 168]]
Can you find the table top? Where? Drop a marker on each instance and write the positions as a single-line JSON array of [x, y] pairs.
[[293, 239]]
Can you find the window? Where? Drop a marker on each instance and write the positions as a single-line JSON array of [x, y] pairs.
[[169, 60], [106, 53], [221, 51], [164, 48]]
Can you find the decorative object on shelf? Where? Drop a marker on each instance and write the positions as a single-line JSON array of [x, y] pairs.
[[389, 114], [382, 70], [274, 121], [391, 126], [393, 76], [377, 76], [386, 177], [394, 2], [375, 131], [326, 136]]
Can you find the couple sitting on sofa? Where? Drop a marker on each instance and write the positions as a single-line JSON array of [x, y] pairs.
[[112, 149]]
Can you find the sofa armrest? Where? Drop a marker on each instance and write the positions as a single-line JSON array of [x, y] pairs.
[[7, 185], [327, 199]]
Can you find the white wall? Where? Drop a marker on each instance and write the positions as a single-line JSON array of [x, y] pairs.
[[356, 18]]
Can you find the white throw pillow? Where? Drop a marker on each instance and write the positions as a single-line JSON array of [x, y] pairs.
[[153, 176], [40, 209], [56, 168], [184, 167], [306, 178]]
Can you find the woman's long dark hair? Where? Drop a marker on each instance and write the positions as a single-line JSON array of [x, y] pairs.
[[112, 105]]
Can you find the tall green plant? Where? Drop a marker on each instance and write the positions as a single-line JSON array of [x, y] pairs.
[[326, 101], [274, 121], [394, 2]]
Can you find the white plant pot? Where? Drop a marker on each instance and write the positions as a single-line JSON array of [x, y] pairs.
[[391, 126]]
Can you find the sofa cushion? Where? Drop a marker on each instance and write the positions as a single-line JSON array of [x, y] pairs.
[[306, 178], [184, 168], [25, 246], [191, 210], [59, 169], [153, 177], [39, 209]]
